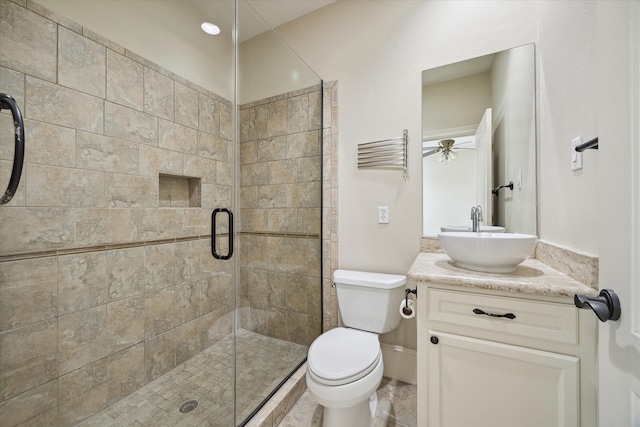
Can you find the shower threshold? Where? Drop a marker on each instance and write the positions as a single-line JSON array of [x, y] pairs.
[[207, 378]]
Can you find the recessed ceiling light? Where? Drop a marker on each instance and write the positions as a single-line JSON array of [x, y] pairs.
[[210, 28]]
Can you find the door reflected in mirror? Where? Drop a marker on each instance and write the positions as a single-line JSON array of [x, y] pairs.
[[478, 132]]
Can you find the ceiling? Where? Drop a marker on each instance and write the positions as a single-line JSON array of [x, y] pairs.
[[278, 12], [270, 13]]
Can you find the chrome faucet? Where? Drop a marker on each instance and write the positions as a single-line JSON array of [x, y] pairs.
[[476, 218]]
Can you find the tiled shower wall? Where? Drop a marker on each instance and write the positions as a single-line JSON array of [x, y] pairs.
[[106, 280], [280, 201], [106, 277], [330, 140]]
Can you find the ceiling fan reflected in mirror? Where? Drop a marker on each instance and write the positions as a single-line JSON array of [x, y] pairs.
[[445, 147]]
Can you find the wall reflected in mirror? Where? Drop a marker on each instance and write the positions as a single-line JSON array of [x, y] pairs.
[[486, 105]]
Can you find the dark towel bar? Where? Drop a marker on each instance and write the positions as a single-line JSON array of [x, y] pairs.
[[589, 144]]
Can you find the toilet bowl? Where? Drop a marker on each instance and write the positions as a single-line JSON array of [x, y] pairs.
[[344, 365], [344, 370]]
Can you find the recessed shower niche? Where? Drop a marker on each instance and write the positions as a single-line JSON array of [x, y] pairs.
[[179, 192]]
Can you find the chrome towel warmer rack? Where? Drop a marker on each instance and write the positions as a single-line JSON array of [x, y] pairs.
[[385, 154], [7, 102]]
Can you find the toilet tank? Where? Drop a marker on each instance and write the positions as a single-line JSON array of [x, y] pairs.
[[369, 301]]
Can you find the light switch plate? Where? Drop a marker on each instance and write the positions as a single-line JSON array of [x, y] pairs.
[[519, 180], [576, 157]]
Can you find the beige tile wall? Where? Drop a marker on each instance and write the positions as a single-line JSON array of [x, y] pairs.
[[280, 223], [330, 139], [103, 287]]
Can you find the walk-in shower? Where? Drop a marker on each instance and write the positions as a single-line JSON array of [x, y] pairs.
[[138, 125]]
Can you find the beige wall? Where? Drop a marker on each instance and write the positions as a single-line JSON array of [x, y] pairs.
[[379, 73], [280, 70], [567, 107]]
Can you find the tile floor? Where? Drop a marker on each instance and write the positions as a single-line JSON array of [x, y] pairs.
[[396, 407], [262, 363]]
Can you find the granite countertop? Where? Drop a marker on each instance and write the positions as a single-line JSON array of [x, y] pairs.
[[531, 277]]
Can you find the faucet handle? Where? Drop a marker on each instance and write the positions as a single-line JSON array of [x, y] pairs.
[[473, 212], [479, 213]]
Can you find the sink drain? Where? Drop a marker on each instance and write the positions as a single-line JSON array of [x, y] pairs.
[[188, 406]]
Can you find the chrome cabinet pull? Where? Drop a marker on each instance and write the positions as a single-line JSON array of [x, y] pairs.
[[506, 315]]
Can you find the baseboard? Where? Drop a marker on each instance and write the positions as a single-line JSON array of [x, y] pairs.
[[400, 363]]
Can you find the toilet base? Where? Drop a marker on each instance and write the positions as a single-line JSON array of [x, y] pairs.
[[360, 415]]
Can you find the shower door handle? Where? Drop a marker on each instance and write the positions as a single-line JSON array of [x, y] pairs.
[[215, 213], [7, 102]]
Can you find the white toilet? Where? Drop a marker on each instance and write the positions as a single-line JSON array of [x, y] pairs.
[[344, 365]]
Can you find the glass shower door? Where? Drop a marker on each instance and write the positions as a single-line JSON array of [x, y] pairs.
[[138, 126], [278, 199], [112, 309]]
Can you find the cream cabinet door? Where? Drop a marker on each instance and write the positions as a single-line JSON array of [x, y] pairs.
[[483, 383]]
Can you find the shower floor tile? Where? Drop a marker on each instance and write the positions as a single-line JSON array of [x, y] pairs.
[[262, 362]]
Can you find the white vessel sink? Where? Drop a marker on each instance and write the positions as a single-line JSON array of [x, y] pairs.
[[483, 228], [490, 252]]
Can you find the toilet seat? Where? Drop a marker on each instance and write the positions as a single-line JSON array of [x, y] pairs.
[[343, 355]]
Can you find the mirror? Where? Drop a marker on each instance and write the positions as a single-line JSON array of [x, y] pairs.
[[479, 133]]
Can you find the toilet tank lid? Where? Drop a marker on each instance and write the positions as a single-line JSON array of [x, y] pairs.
[[364, 278]]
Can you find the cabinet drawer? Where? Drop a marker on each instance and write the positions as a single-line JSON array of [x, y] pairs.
[[533, 319]]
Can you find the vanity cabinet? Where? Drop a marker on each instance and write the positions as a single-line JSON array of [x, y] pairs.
[[490, 358]]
